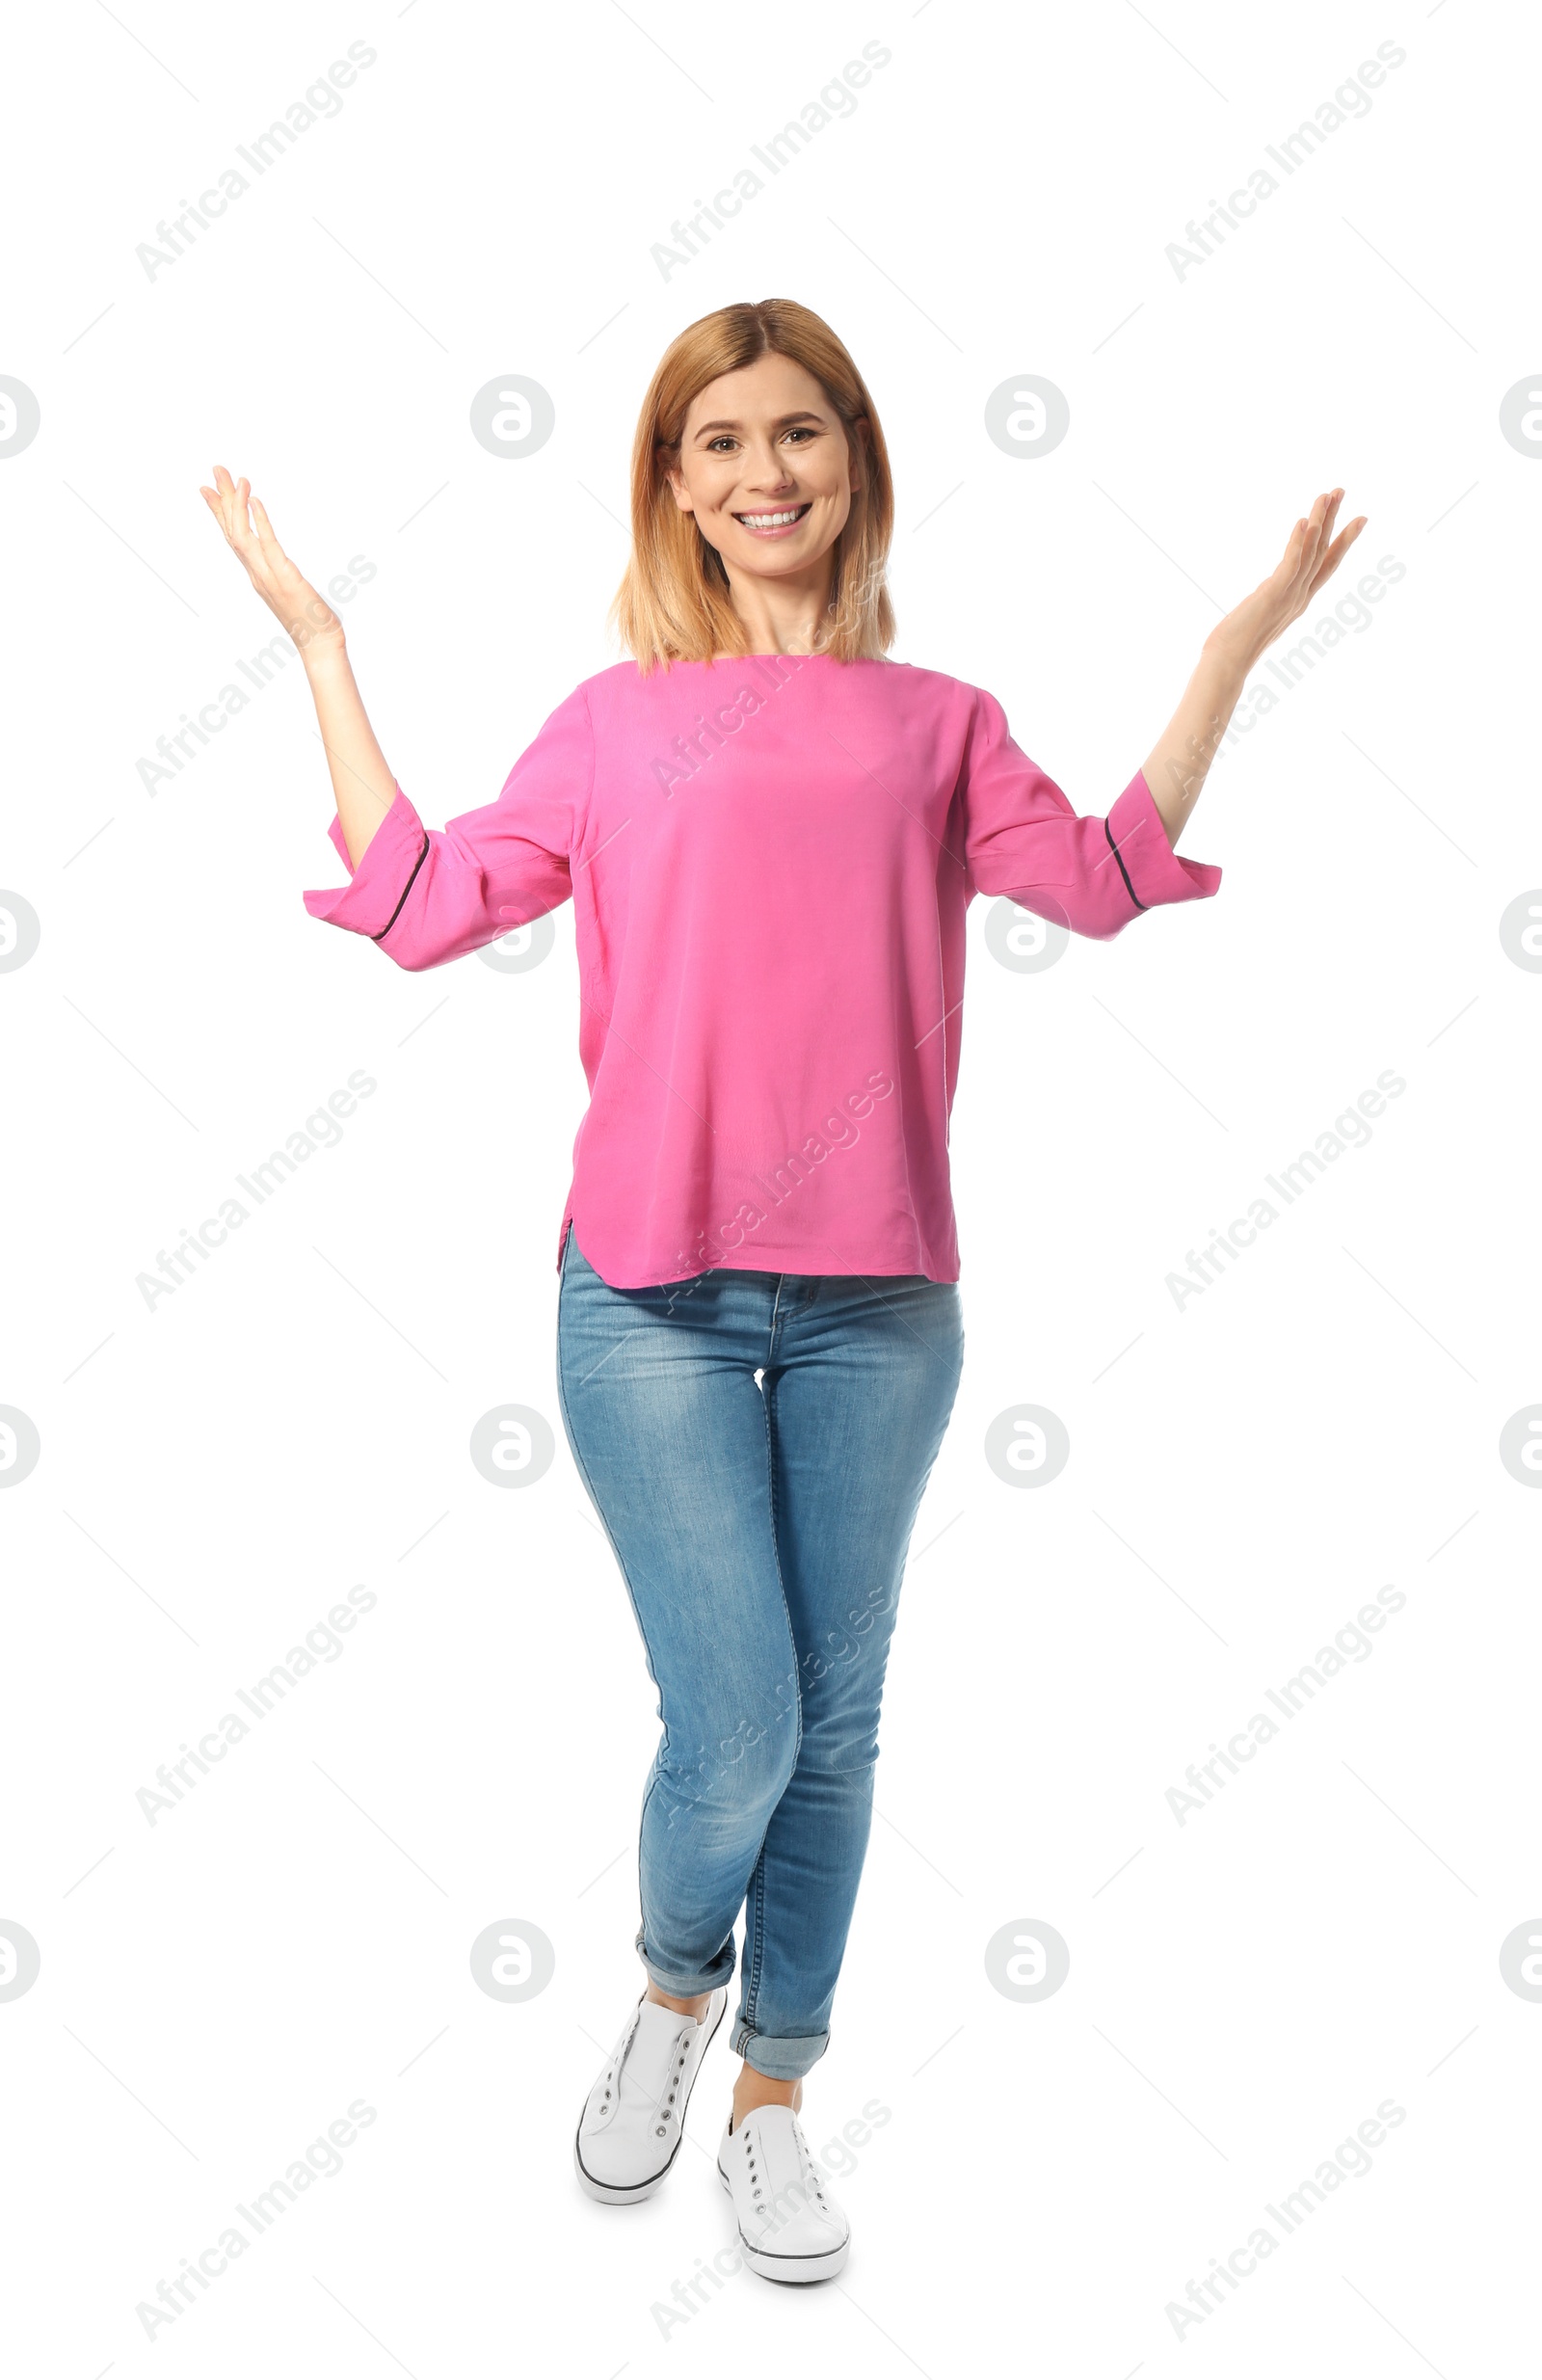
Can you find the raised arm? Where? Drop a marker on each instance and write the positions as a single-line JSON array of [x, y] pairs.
[[363, 785], [424, 894], [1180, 759]]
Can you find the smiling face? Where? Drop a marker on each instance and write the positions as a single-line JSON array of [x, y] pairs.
[[767, 469]]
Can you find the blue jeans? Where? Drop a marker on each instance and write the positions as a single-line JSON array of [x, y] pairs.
[[762, 1529]]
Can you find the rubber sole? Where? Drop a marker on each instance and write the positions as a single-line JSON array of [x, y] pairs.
[[791, 2269], [630, 2194]]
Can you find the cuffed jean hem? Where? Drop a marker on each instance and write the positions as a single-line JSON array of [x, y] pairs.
[[782, 2058], [683, 1987]]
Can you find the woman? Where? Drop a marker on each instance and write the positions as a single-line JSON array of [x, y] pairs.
[[771, 834]]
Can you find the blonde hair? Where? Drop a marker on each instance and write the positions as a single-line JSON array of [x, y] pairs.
[[674, 604]]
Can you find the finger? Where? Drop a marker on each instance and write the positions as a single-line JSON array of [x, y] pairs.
[[1301, 547], [1340, 548], [1297, 556], [1347, 536], [1334, 556], [243, 536], [1311, 533], [224, 502], [271, 548]]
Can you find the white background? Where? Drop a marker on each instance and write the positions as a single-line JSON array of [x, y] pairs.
[[1245, 1472]]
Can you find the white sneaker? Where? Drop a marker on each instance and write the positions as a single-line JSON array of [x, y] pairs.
[[634, 2120], [788, 2229]]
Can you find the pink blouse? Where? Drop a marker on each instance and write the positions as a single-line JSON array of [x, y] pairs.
[[770, 861]]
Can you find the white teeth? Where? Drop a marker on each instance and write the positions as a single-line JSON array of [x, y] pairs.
[[770, 521]]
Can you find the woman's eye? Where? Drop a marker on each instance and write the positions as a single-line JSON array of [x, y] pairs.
[[722, 444]]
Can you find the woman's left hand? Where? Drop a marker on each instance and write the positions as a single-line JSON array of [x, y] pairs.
[[1176, 767], [1312, 554]]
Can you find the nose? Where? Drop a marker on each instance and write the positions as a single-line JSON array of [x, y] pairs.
[[769, 472]]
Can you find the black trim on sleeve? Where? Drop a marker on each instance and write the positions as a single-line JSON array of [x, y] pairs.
[[412, 879], [1122, 869]]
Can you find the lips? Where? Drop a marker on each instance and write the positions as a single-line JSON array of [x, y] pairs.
[[773, 520]]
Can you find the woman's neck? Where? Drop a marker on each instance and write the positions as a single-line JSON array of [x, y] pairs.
[[786, 616]]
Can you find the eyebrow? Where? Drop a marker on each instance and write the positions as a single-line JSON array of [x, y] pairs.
[[782, 422]]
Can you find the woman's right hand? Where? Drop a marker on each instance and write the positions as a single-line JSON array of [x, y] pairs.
[[304, 615], [363, 787]]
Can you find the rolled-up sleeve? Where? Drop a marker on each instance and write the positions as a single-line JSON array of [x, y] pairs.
[[1023, 839], [428, 895]]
